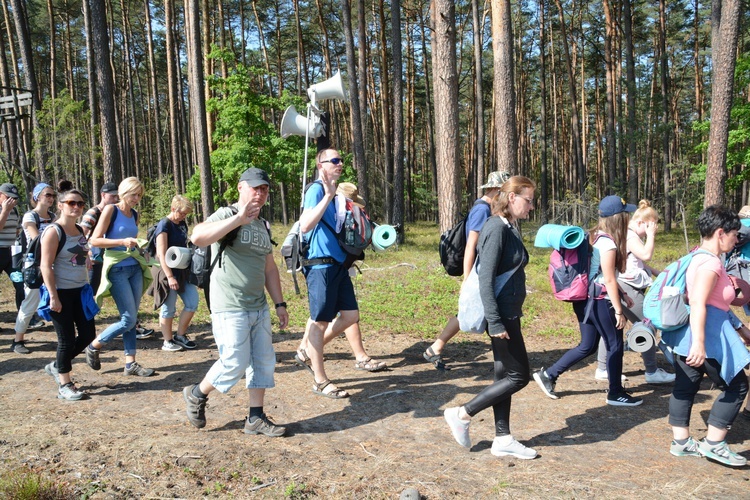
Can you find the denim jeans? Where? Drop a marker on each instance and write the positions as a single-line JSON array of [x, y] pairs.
[[245, 346], [189, 297], [127, 288]]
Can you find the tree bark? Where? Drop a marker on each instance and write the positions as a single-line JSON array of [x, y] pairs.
[[398, 118], [630, 83], [478, 97], [504, 87]]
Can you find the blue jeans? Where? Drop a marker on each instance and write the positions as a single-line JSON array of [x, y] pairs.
[[189, 297], [245, 346], [127, 288]]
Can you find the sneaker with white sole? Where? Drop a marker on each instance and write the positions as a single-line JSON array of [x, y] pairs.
[[263, 425], [69, 392], [545, 383], [513, 449], [143, 333], [459, 427], [36, 322], [51, 369], [184, 341], [660, 377], [196, 407], [721, 453], [689, 449], [170, 345], [138, 370], [92, 358], [603, 375], [623, 399]]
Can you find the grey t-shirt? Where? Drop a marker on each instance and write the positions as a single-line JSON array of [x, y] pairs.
[[70, 264], [238, 279]]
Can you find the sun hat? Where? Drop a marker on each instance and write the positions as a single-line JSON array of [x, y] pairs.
[[350, 190], [496, 179], [613, 205]]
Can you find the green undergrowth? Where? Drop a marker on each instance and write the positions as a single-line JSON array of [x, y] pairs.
[[26, 484]]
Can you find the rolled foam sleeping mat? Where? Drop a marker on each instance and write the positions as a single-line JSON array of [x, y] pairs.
[[641, 337], [383, 237], [177, 257], [557, 236]]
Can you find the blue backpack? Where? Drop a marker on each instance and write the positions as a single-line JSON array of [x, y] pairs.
[[665, 304]]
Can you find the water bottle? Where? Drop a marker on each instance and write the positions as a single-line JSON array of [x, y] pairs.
[[29, 260], [16, 277]]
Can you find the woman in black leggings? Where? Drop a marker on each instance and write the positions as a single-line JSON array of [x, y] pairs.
[[66, 276], [502, 257]]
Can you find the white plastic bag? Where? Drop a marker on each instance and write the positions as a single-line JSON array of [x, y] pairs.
[[470, 309]]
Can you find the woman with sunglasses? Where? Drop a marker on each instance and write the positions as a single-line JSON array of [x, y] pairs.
[[65, 269], [33, 223], [125, 274]]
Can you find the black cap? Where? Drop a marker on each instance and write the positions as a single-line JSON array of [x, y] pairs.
[[9, 190], [255, 177], [109, 188]]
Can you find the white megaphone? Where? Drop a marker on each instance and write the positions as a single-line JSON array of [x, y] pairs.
[[294, 123], [333, 88]]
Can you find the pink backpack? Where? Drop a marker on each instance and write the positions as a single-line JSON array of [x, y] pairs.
[[572, 272]]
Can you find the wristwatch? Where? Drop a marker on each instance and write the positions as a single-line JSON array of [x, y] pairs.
[[280, 304]]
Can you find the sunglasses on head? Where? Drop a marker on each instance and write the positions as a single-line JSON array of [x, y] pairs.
[[73, 203], [334, 161]]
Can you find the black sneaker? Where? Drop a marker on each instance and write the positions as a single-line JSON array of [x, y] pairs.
[[143, 333], [263, 425], [92, 358], [184, 341], [19, 347], [545, 383], [623, 399], [196, 407]]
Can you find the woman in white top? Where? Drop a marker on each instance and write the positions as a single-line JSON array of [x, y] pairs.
[[33, 223], [634, 282]]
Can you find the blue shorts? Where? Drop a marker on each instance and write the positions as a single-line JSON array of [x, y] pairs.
[[330, 290]]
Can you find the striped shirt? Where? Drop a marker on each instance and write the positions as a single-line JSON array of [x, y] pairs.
[[8, 232]]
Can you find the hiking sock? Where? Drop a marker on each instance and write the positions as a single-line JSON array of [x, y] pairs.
[[197, 392], [91, 346], [712, 443], [128, 365], [255, 411], [682, 442]]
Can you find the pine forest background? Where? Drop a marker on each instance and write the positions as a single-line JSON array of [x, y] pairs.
[[645, 99]]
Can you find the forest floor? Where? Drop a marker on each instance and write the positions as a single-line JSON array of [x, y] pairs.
[[131, 439]]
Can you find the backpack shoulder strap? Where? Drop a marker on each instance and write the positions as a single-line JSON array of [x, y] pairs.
[[61, 236]]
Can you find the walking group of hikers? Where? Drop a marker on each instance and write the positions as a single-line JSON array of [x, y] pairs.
[[242, 270]]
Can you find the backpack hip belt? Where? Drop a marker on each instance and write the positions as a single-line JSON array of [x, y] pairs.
[[318, 262]]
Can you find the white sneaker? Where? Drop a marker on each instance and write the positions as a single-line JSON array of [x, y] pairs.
[[514, 449], [168, 345], [660, 377], [603, 375], [459, 427]]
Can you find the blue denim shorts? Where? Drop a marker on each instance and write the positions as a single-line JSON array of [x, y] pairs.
[[329, 291], [245, 347]]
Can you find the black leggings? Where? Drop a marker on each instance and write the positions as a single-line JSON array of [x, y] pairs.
[[70, 317], [6, 265], [511, 375], [687, 383], [600, 323]]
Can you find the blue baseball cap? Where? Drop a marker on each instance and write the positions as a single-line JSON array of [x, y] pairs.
[[613, 205]]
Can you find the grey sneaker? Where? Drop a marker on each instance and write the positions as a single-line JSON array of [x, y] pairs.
[[69, 392], [545, 383], [36, 322], [19, 347], [459, 428], [51, 369], [92, 358], [514, 449], [184, 341], [138, 370], [689, 449], [264, 425], [721, 453], [170, 345], [196, 408]]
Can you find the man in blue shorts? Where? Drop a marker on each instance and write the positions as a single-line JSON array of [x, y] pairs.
[[329, 287], [478, 215]]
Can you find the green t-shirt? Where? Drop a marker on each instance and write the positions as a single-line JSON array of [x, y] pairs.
[[238, 279]]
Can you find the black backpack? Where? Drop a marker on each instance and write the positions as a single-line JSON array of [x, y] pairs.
[[32, 272], [23, 242], [151, 237], [453, 246]]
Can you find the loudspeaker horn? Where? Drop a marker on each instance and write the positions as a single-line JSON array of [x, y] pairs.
[[333, 88], [294, 123]]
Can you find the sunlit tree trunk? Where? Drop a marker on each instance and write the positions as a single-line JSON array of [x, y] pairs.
[[398, 117], [504, 87]]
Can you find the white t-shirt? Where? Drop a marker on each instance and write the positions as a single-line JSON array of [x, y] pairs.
[[636, 274], [602, 245]]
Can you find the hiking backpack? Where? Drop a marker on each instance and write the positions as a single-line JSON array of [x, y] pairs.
[[32, 272], [151, 238], [665, 304], [572, 272], [453, 246], [23, 241]]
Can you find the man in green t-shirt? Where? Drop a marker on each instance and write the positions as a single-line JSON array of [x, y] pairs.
[[239, 311]]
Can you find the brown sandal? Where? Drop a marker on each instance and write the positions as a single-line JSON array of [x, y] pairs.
[[303, 360], [370, 365], [333, 392]]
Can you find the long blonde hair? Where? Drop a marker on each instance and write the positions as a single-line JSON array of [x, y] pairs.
[[616, 226], [515, 184]]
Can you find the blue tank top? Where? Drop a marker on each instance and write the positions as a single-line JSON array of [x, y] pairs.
[[123, 227]]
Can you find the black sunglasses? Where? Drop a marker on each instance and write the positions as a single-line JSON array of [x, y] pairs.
[[72, 203], [335, 161]]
